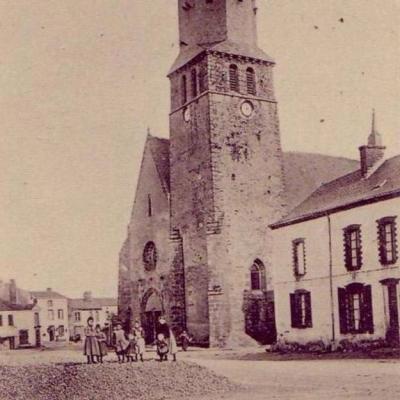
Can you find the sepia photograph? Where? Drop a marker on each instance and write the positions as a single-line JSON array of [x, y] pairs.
[[199, 199]]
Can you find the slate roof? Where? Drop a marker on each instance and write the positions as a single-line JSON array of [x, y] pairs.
[[47, 294], [348, 191], [160, 151], [94, 303], [7, 306], [227, 46]]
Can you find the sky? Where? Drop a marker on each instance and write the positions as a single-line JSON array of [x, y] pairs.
[[82, 81]]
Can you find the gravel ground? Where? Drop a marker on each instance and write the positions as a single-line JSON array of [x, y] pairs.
[[137, 381]]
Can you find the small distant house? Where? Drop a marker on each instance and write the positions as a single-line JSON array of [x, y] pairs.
[[79, 310], [53, 314]]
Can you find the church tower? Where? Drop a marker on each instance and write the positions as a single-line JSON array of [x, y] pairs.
[[226, 166]]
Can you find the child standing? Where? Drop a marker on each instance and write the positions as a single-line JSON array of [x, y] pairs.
[[131, 350], [91, 347], [140, 345], [101, 339], [121, 344], [162, 347]]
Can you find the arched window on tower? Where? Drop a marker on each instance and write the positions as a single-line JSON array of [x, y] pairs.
[[233, 78], [251, 81], [183, 89], [194, 82], [257, 275]]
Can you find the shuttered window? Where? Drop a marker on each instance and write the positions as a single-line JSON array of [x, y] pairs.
[[352, 247], [300, 309], [387, 240], [194, 82], [234, 78], [355, 309], [299, 257], [251, 81]]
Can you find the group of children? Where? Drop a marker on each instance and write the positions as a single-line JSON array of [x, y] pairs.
[[130, 347]]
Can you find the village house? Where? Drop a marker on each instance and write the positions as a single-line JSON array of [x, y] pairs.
[[336, 262], [53, 315], [19, 318], [101, 309]]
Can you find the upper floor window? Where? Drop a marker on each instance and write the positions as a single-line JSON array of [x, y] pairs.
[[387, 240], [251, 81], [36, 319], [194, 82], [97, 316], [352, 247], [257, 275], [60, 314], [50, 315], [300, 309], [77, 316], [10, 320], [149, 206], [49, 303], [299, 257], [355, 309], [183, 89], [234, 78]]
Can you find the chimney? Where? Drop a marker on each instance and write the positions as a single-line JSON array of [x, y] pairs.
[[48, 289], [87, 296], [373, 152], [13, 291]]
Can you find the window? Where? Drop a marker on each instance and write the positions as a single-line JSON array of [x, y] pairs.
[[50, 315], [50, 303], [150, 256], [202, 77], [183, 90], [300, 309], [77, 316], [1, 320], [10, 320], [149, 206], [352, 247], [387, 240], [299, 257], [194, 82], [97, 316], [23, 336], [355, 309], [60, 314], [61, 331], [36, 319], [257, 275], [251, 81], [233, 78]]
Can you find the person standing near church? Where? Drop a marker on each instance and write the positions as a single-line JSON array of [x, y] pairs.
[[91, 347], [164, 329]]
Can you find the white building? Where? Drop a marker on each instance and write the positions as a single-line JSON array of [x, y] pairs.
[[79, 310], [53, 315], [336, 264]]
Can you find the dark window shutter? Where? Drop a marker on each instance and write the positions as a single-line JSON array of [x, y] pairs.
[[293, 310], [367, 315], [308, 318], [343, 310], [347, 250], [381, 242], [359, 249]]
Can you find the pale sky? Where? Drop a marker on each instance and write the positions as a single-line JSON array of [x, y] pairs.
[[81, 80]]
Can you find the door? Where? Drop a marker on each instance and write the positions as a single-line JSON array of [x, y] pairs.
[[51, 331], [392, 334], [150, 325], [37, 337]]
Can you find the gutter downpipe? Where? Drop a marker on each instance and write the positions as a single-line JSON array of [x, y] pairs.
[[331, 278]]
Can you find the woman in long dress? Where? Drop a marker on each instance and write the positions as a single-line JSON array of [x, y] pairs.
[[101, 339], [164, 329], [91, 347]]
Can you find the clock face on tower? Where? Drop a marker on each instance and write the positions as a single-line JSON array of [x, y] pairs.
[[247, 108], [186, 114]]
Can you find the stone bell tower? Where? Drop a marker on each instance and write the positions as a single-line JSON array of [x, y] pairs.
[[226, 163]]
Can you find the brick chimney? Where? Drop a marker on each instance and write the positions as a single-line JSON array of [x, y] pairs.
[[87, 296], [372, 153], [13, 291]]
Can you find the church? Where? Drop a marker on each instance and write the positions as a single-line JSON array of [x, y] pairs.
[[199, 246]]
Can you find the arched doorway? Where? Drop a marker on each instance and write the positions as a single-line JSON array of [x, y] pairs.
[[151, 310]]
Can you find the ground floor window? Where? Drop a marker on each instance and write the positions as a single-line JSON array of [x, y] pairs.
[[355, 309], [61, 331], [300, 309], [23, 336]]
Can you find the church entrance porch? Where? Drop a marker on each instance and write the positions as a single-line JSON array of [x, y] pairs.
[[151, 309]]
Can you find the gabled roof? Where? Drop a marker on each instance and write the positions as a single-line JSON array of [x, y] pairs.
[[159, 149], [7, 306], [47, 294], [188, 53], [350, 190], [93, 304]]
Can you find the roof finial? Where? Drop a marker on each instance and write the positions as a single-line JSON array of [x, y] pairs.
[[374, 139]]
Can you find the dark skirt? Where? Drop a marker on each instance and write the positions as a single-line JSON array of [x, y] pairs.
[[103, 348]]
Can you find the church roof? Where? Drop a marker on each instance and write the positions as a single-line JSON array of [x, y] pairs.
[[304, 172], [227, 46], [348, 191]]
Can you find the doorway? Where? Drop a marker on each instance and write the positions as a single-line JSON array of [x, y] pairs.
[[392, 315], [152, 309], [51, 330]]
